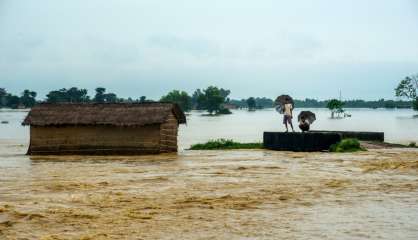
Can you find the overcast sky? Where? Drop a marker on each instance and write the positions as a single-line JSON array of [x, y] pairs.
[[309, 49]]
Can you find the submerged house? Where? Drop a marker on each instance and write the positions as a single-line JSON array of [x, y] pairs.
[[107, 128]]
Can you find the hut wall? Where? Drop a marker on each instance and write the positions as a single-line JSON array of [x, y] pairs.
[[168, 135], [95, 140]]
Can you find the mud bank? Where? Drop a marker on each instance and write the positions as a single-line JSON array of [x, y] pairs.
[[210, 195]]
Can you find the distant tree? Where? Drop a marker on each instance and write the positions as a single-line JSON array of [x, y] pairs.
[[3, 95], [76, 95], [143, 99], [214, 98], [103, 97], [13, 101], [336, 106], [251, 103], [100, 95], [198, 100], [240, 103], [225, 93], [180, 97], [28, 98], [57, 96], [408, 88], [72, 95], [264, 102], [110, 98]]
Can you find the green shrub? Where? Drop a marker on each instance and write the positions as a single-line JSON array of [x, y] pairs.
[[347, 145], [225, 144], [224, 111], [412, 144], [415, 104]]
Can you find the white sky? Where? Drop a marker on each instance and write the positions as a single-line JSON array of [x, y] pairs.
[[309, 49]]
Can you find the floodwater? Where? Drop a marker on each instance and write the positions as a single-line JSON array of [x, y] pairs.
[[399, 125], [246, 194]]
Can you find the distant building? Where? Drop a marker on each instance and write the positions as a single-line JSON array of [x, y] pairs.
[[107, 128]]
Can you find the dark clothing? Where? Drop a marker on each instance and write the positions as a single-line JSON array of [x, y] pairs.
[[287, 119], [304, 126]]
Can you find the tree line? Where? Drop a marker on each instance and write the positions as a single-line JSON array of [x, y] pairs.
[[27, 99], [213, 99]]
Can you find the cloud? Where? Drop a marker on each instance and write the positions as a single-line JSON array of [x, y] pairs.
[[257, 48]]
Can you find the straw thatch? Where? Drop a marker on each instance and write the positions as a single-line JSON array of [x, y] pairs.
[[114, 114]]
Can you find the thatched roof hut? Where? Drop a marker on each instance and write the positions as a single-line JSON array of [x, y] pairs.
[[108, 128]]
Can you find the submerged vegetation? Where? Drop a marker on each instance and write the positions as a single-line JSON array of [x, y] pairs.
[[336, 107], [408, 88], [220, 144], [347, 145]]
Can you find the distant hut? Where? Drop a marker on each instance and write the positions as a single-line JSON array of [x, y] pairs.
[[108, 128]]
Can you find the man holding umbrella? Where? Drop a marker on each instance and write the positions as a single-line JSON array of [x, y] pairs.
[[306, 118], [285, 106]]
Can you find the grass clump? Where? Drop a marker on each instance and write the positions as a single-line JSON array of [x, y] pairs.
[[347, 145], [220, 144]]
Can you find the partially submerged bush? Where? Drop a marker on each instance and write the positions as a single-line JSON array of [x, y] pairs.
[[225, 144], [224, 111], [347, 145]]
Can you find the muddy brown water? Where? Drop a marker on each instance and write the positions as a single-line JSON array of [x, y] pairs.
[[247, 194]]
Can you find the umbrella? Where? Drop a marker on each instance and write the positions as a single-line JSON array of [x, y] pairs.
[[284, 99], [308, 115], [281, 101]]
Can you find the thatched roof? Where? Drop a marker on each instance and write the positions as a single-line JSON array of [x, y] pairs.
[[116, 114]]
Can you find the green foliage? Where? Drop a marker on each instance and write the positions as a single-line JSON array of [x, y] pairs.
[[198, 99], [100, 95], [260, 103], [408, 88], [103, 97], [211, 99], [28, 98], [220, 144], [347, 145], [415, 104], [224, 111], [13, 101], [251, 103], [72, 95], [180, 97], [264, 102], [336, 106], [412, 144]]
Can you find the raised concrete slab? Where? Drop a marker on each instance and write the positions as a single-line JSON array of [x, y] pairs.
[[362, 136], [300, 142]]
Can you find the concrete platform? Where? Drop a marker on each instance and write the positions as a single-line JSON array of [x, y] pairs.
[[300, 142], [362, 136]]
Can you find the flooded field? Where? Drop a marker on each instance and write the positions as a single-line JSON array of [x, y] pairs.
[[248, 194], [210, 195]]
